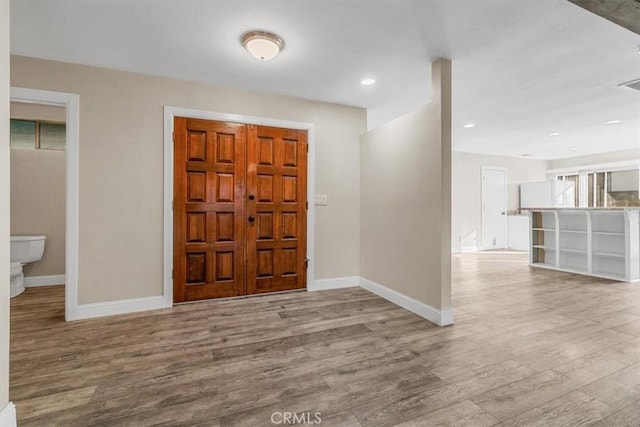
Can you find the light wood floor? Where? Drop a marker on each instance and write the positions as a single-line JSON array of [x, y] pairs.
[[529, 347]]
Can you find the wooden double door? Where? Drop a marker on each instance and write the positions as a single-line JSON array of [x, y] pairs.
[[240, 209]]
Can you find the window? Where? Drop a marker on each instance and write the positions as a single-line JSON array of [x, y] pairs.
[[622, 188], [38, 134], [575, 178], [23, 134], [606, 188]]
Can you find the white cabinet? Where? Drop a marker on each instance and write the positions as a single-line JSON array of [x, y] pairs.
[[518, 232], [597, 242]]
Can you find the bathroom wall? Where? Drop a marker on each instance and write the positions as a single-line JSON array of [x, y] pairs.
[[38, 190]]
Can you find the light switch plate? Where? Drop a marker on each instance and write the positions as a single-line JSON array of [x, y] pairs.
[[321, 200]]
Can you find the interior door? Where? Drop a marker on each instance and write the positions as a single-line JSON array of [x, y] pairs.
[[209, 219], [276, 208], [240, 211], [494, 208]]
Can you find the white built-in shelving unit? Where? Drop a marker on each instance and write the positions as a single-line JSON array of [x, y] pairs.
[[597, 242]]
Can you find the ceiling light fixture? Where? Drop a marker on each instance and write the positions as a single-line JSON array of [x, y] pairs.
[[262, 45], [525, 155], [612, 122], [554, 134], [574, 149], [469, 125], [367, 82]]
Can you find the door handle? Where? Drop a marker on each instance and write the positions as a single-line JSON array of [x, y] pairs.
[[251, 197], [503, 213], [251, 219]]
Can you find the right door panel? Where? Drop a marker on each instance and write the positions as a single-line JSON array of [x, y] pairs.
[[276, 209]]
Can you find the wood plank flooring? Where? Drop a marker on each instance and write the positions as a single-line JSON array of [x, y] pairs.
[[529, 347]]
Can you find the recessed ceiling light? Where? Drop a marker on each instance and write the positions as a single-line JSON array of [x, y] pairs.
[[367, 82], [554, 134], [469, 125], [612, 122], [262, 45]]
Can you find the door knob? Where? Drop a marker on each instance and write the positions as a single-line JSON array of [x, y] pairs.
[[251, 219], [251, 197], [503, 213]]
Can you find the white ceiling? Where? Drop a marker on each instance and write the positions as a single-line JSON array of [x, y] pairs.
[[522, 69]]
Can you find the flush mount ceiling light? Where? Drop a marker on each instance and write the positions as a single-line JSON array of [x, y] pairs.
[[262, 45], [554, 134], [469, 125], [367, 82], [612, 122]]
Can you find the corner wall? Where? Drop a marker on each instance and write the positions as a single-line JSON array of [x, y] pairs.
[[405, 192], [121, 170]]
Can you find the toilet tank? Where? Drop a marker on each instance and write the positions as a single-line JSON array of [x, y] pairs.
[[26, 249]]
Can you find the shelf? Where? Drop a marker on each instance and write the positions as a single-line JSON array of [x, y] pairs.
[[587, 241], [573, 251], [608, 233], [608, 255]]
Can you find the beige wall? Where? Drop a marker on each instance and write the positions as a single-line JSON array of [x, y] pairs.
[[121, 170], [466, 170], [4, 204], [404, 183], [38, 204], [595, 159]]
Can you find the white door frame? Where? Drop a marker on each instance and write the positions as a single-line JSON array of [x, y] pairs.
[[169, 114], [71, 102], [506, 222]]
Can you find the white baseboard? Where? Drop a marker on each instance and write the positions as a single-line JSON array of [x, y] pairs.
[[8, 416], [335, 283], [439, 317], [36, 281], [101, 309]]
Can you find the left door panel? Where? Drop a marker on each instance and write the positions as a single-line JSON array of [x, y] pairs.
[[208, 209]]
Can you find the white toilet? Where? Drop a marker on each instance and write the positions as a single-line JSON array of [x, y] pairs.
[[24, 249]]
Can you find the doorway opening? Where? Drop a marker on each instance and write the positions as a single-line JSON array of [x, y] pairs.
[[70, 103], [494, 208], [38, 193]]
